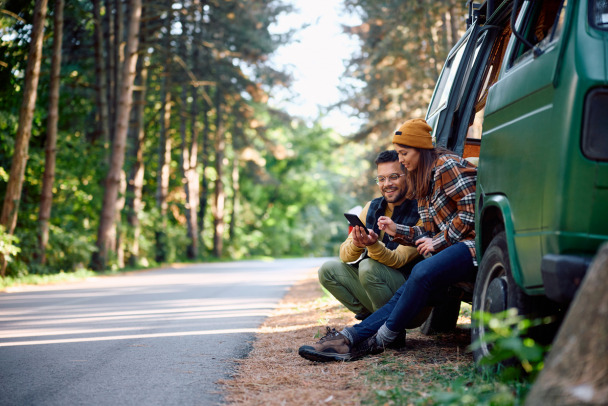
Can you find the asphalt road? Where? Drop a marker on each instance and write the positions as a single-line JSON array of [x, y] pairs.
[[161, 337]]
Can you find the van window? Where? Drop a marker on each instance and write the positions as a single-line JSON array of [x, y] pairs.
[[542, 24], [490, 74], [446, 79], [489, 77], [471, 62], [598, 14]]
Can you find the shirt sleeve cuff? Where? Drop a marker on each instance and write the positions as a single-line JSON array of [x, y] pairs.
[[402, 229], [440, 243]]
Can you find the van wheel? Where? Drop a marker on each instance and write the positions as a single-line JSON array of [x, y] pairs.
[[443, 317], [495, 290]]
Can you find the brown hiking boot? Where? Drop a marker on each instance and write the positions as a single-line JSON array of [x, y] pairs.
[[334, 346]]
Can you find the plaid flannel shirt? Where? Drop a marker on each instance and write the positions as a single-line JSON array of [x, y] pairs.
[[449, 211]]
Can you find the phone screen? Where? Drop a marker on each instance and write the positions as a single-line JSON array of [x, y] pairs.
[[354, 220]]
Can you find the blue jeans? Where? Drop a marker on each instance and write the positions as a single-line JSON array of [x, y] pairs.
[[453, 264]]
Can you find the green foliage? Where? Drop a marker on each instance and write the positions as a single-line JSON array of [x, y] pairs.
[[403, 46], [516, 358], [482, 392], [511, 351], [67, 250], [295, 180], [8, 247], [294, 205]]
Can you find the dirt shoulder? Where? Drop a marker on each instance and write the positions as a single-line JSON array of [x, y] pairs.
[[274, 374]]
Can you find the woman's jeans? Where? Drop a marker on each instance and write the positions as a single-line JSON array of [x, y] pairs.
[[447, 267]]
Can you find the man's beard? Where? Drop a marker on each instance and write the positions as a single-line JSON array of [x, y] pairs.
[[396, 197]]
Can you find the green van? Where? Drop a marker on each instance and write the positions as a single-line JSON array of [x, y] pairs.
[[524, 94]]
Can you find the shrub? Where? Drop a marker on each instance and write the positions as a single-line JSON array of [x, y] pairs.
[[512, 352], [8, 245]]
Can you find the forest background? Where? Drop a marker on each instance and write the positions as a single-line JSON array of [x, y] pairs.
[[139, 132]]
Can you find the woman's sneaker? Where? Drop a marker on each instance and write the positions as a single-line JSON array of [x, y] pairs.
[[334, 346], [371, 346], [399, 343], [368, 346]]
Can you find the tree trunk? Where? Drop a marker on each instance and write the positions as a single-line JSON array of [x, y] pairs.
[[46, 198], [454, 25], [190, 180], [118, 229], [203, 56], [432, 59], [184, 156], [118, 46], [108, 213], [164, 153], [218, 208], [103, 120], [202, 206], [164, 166], [190, 152], [576, 370], [445, 31], [136, 181], [110, 38], [12, 197], [235, 193], [193, 177]]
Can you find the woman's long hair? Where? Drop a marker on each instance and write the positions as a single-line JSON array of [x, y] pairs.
[[419, 181]]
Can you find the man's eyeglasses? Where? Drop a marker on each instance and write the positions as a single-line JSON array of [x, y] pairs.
[[392, 177]]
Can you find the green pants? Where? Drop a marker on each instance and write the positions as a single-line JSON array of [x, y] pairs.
[[364, 289]]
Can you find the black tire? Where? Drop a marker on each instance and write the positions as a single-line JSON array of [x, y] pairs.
[[496, 290], [443, 317]]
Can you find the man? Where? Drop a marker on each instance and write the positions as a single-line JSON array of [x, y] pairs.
[[366, 286]]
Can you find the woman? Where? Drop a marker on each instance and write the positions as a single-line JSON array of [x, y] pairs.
[[444, 185]]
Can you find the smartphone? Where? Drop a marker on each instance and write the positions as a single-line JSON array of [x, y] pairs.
[[354, 220]]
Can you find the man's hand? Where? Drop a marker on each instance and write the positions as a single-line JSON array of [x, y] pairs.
[[425, 246], [361, 239], [388, 225]]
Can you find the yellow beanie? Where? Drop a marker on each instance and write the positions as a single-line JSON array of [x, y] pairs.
[[414, 133]]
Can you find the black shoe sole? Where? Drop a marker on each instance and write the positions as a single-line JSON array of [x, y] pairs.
[[311, 354]]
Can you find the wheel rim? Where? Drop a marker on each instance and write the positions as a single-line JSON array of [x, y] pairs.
[[494, 299]]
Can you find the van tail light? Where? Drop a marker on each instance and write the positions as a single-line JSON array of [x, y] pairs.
[[594, 141]]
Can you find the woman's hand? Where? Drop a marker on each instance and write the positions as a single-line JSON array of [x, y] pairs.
[[425, 246], [388, 225]]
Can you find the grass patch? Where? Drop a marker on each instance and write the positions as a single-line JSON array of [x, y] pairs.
[[430, 372], [60, 277], [396, 382], [35, 279]]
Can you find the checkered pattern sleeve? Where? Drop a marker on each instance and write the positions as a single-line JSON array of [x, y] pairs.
[[405, 234], [453, 201]]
